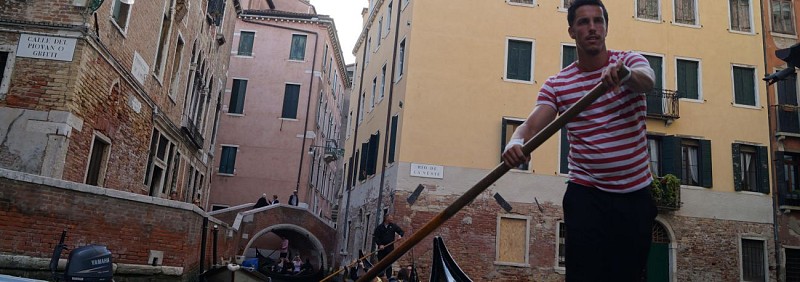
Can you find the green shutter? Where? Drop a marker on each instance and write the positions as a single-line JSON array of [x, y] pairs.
[[656, 65], [564, 148], [246, 43], [362, 168], [372, 162], [518, 65], [569, 56], [706, 175], [780, 177], [687, 79], [298, 51], [744, 86], [393, 139], [290, 99], [671, 156], [349, 173], [763, 169], [236, 104], [737, 167]]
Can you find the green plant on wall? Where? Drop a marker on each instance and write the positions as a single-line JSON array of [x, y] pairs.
[[666, 191]]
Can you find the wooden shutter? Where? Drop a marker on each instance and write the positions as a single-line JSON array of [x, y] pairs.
[[569, 56], [362, 168], [706, 173], [671, 156], [374, 141], [246, 43], [519, 60], [393, 139], [298, 51], [763, 169], [780, 177], [349, 173], [238, 92], [290, 100], [687, 79], [744, 86], [737, 167]]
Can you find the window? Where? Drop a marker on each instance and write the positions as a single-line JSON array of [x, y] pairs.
[[512, 240], [648, 9], [325, 55], [368, 50], [792, 264], [388, 18], [740, 15], [6, 66], [98, 159], [177, 62], [380, 31], [236, 104], [519, 60], [161, 164], [298, 51], [227, 163], [753, 260], [290, 100], [509, 126], [363, 166], [787, 171], [750, 168], [744, 86], [372, 160], [374, 87], [569, 54], [686, 12], [383, 83], [393, 139], [216, 9], [561, 242], [567, 3], [688, 79], [246, 43], [216, 207], [688, 159], [163, 38], [655, 100], [782, 16], [788, 120], [120, 12], [525, 2], [401, 56], [361, 107]]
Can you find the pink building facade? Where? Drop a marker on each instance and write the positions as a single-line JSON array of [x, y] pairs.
[[281, 114]]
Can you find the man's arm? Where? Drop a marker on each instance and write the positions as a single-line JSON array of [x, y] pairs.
[[640, 80], [399, 230], [540, 117]]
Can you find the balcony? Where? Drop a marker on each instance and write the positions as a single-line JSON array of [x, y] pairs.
[[191, 131], [788, 119], [662, 104]]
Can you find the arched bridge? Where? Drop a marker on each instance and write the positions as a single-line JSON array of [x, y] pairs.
[[263, 229]]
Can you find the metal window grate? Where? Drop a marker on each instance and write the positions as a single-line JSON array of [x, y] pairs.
[[753, 260]]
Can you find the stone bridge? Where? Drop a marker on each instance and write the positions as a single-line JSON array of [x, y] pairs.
[[261, 229]]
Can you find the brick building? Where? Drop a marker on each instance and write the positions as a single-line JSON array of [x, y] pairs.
[[121, 95]]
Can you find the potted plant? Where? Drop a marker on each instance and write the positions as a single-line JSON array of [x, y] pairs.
[[666, 192]]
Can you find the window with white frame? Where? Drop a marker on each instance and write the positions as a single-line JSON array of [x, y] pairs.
[[512, 240], [298, 47], [160, 164], [6, 67], [361, 107], [163, 38], [120, 13], [401, 59], [291, 96], [753, 259], [383, 83], [388, 17], [566, 3], [648, 9], [744, 86], [368, 50], [380, 31], [227, 162], [523, 2], [509, 126], [238, 92], [686, 12], [246, 39], [177, 63], [740, 15], [688, 76], [98, 160], [519, 60], [782, 16], [374, 87], [750, 168]]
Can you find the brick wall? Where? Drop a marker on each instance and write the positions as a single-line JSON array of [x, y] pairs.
[[32, 216], [56, 11]]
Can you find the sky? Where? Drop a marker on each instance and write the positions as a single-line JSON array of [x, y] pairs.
[[347, 16]]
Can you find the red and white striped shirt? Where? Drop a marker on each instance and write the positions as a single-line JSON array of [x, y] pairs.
[[608, 140]]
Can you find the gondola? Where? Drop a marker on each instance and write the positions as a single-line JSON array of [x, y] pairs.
[[444, 268], [265, 267]]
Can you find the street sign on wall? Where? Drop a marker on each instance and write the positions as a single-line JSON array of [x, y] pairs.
[[46, 47]]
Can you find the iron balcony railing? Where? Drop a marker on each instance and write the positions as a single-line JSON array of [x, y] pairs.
[[788, 118], [662, 104]]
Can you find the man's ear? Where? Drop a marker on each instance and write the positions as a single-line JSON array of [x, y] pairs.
[[571, 32]]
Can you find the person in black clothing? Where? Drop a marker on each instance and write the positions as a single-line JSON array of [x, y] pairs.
[[293, 199], [262, 202], [384, 237]]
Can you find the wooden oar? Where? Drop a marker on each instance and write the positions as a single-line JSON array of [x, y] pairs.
[[356, 261], [490, 178]]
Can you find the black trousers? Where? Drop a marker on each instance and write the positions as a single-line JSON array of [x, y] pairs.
[[382, 254], [608, 234]]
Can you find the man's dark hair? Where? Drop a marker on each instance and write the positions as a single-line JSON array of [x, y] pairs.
[[578, 3]]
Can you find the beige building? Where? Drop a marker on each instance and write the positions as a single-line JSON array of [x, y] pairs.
[[438, 89]]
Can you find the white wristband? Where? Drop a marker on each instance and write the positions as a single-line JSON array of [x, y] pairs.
[[514, 141]]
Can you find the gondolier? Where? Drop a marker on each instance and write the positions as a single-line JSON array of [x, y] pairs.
[[384, 237], [608, 209]]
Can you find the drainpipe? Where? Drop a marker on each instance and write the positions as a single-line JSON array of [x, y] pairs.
[[388, 116], [355, 145], [303, 151], [773, 143], [203, 242]]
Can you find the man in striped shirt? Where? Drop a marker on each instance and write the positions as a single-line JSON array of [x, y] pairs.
[[608, 209]]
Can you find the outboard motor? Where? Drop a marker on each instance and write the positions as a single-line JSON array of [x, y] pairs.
[[88, 263]]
